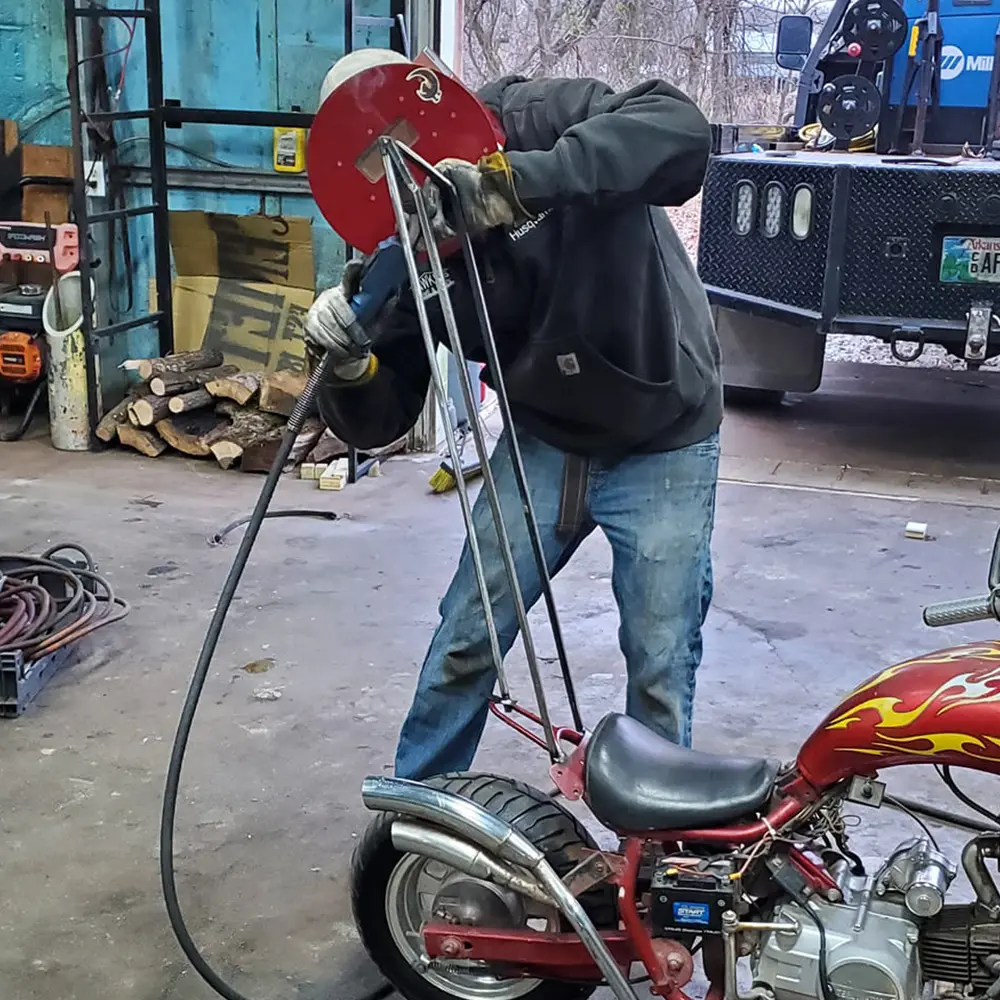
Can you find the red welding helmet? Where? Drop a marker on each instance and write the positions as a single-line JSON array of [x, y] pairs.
[[376, 92]]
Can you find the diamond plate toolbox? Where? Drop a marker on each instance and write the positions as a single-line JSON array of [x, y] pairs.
[[781, 268], [901, 223]]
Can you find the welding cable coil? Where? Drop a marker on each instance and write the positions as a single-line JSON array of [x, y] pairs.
[[47, 603]]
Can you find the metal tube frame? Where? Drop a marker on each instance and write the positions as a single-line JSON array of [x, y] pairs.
[[398, 177], [503, 403], [440, 397], [149, 13]]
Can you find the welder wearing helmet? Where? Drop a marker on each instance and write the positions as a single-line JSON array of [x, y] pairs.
[[612, 368]]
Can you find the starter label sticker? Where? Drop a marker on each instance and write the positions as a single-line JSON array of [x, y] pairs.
[[692, 913]]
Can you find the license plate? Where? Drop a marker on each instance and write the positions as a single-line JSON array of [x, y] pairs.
[[970, 259]]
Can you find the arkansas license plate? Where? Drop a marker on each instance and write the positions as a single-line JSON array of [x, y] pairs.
[[970, 259]]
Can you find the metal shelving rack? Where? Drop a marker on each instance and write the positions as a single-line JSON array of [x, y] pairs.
[[160, 115], [162, 318]]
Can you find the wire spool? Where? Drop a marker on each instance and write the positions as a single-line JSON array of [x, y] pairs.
[[876, 27], [375, 92], [849, 107]]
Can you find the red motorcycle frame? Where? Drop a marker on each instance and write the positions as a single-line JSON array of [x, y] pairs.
[[941, 708]]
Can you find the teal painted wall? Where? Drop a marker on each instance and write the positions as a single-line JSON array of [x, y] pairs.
[[246, 54], [33, 61]]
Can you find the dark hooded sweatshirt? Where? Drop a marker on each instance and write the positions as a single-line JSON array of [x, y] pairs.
[[602, 325]]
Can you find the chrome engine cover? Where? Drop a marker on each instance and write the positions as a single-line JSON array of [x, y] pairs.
[[878, 962]]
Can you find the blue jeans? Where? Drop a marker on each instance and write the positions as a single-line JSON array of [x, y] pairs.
[[657, 512]]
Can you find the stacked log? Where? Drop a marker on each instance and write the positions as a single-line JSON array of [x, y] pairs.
[[192, 403]]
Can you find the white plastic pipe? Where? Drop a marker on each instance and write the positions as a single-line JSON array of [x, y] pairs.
[[67, 365]]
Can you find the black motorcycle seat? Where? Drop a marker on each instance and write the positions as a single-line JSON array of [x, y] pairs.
[[637, 781]]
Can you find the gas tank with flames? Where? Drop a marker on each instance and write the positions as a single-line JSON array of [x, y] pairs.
[[940, 708]]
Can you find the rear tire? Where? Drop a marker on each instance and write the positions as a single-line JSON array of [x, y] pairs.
[[549, 826]]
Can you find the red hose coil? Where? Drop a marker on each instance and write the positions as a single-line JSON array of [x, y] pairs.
[[48, 603]]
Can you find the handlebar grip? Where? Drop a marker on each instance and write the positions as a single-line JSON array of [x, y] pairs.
[[968, 609]]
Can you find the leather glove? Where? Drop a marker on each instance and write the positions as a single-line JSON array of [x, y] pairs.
[[325, 330], [485, 191]]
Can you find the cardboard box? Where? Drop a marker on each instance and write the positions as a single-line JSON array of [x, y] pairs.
[[34, 201], [244, 284]]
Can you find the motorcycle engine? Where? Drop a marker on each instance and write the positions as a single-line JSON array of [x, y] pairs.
[[872, 936]]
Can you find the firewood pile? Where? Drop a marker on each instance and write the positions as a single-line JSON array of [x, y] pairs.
[[194, 404]]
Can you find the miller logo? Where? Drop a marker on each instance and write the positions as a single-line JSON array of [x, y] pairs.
[[428, 85]]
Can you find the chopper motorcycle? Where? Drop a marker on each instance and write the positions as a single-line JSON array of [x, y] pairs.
[[479, 887]]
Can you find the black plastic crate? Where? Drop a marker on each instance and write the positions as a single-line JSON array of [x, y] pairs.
[[21, 681]]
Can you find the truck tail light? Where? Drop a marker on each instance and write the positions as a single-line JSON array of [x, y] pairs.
[[774, 209], [802, 210], [744, 207]]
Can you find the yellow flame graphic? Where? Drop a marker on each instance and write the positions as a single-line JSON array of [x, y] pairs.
[[978, 687], [932, 745]]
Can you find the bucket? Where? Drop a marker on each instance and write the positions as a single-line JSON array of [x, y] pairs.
[[67, 364]]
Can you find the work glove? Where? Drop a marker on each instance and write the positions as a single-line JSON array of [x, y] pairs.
[[325, 330], [485, 191]]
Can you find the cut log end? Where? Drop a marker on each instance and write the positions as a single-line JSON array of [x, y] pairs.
[[107, 429], [240, 387], [226, 453], [191, 433], [150, 409], [144, 442], [188, 401], [280, 391]]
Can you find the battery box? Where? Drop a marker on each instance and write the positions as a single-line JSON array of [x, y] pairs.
[[689, 900]]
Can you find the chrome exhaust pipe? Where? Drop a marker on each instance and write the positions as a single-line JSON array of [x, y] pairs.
[[417, 838], [458, 815], [470, 821]]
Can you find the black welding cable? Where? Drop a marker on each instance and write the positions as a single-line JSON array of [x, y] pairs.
[[172, 789], [25, 422], [220, 535], [944, 773]]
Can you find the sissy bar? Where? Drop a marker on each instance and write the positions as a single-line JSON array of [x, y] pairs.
[[396, 158]]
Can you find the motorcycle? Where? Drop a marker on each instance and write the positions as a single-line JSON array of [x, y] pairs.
[[477, 887]]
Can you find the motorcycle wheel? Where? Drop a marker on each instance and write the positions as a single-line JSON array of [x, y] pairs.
[[392, 895]]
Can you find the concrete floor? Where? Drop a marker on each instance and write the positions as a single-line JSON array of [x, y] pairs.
[[816, 589]]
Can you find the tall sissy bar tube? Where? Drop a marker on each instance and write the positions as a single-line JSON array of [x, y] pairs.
[[400, 179]]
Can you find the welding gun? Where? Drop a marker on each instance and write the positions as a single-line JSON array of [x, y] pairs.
[[381, 279]]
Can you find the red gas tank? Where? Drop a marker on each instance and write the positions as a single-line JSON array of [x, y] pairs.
[[940, 708]]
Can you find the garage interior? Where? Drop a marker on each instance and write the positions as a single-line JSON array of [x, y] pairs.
[[162, 236]]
